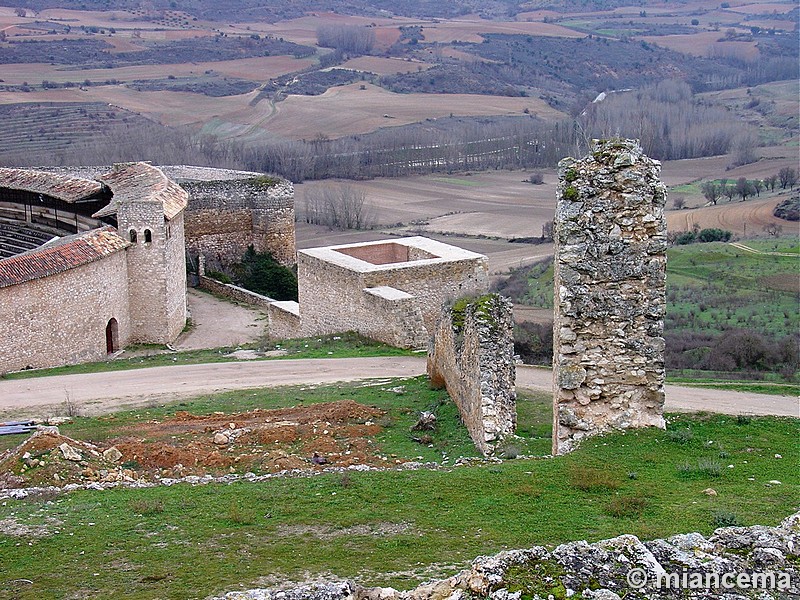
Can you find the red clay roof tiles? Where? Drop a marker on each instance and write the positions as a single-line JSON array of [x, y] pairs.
[[144, 183], [63, 187], [62, 255]]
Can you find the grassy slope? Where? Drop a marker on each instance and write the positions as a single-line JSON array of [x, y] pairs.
[[397, 527]]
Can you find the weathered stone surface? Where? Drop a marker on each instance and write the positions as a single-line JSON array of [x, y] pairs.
[[70, 453], [600, 571], [225, 216], [472, 354], [112, 454], [610, 273]]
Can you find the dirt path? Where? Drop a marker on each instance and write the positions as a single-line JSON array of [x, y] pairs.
[[218, 324], [97, 393]]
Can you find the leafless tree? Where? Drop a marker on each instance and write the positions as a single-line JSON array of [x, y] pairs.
[[788, 177], [339, 206], [348, 38], [711, 191], [678, 202], [773, 229]]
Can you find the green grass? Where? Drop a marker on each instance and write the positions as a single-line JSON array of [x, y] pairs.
[[343, 345], [713, 286], [754, 387], [397, 527]]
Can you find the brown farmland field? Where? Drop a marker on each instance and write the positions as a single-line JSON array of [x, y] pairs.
[[384, 66], [257, 69], [470, 30], [752, 215], [700, 44], [347, 110]]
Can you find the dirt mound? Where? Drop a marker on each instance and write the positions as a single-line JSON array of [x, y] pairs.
[[337, 433]]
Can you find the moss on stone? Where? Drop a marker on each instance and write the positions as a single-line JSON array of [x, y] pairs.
[[570, 175], [571, 193], [541, 578]]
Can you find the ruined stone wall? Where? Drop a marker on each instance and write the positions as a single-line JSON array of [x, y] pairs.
[[284, 320], [234, 292], [61, 319], [472, 354], [224, 217], [332, 298], [610, 272]]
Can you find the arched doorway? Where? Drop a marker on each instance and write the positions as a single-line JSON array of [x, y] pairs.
[[112, 336]]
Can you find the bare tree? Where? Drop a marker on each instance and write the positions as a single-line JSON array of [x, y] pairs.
[[711, 191], [744, 188], [547, 230], [729, 191], [771, 182], [787, 177], [338, 206], [347, 38], [758, 185], [773, 229], [678, 202]]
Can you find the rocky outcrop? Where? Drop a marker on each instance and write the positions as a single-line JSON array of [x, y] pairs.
[[472, 354], [682, 566], [610, 274]]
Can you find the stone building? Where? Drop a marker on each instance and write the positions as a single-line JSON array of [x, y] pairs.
[[389, 290], [119, 278]]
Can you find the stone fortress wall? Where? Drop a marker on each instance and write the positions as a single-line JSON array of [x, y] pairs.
[[471, 353], [82, 296], [225, 216], [61, 319], [610, 303], [389, 290]]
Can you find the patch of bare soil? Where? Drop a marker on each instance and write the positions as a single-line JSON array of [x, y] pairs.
[[261, 441]]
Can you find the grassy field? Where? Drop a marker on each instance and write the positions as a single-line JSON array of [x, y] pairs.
[[714, 286], [393, 527]]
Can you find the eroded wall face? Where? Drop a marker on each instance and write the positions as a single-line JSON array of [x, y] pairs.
[[610, 274], [61, 319], [472, 355], [225, 217]]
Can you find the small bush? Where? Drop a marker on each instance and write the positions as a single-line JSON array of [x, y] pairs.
[[709, 468], [509, 452], [626, 507], [681, 436], [239, 516], [724, 518], [147, 506], [589, 479]]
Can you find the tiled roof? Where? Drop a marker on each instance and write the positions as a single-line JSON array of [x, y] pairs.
[[143, 182], [59, 256], [63, 187]]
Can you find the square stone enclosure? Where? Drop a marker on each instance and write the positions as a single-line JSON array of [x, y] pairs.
[[388, 290]]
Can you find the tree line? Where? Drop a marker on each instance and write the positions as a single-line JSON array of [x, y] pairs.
[[744, 188]]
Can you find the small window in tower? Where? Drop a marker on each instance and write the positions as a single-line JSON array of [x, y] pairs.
[[169, 232], [148, 236], [132, 234]]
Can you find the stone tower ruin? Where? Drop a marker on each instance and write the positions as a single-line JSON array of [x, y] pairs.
[[610, 274]]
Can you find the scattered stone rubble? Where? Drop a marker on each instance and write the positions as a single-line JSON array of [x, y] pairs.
[[598, 571], [610, 275]]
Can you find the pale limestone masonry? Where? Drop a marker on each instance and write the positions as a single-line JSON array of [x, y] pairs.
[[390, 290], [610, 273], [82, 296], [226, 216], [472, 354], [61, 319]]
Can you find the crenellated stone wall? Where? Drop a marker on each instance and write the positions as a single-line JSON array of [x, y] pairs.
[[472, 354], [610, 274], [226, 216]]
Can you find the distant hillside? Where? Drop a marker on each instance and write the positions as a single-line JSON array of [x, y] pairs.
[[276, 10]]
